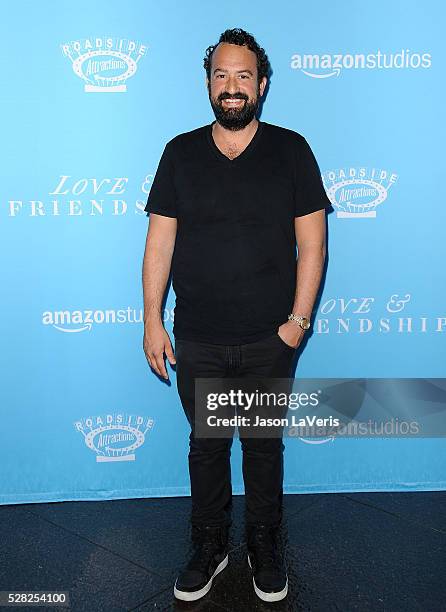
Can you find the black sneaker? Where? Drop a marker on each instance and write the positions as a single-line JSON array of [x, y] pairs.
[[269, 573], [209, 558]]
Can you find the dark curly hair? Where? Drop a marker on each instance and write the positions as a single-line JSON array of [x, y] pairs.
[[237, 36]]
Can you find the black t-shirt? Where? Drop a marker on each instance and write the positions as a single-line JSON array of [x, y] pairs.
[[234, 262]]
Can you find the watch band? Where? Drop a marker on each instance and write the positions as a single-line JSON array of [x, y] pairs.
[[304, 322]]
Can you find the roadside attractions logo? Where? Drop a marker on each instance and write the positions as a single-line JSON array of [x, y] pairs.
[[104, 63], [114, 437], [326, 65], [357, 192]]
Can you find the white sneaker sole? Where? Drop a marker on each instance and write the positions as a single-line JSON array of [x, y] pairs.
[[264, 596], [194, 595]]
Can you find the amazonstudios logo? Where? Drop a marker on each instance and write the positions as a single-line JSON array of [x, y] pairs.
[[104, 63], [326, 65]]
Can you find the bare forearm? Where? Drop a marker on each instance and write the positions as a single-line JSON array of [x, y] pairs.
[[155, 274], [310, 264]]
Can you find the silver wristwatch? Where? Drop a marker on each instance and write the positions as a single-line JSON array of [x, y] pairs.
[[304, 322]]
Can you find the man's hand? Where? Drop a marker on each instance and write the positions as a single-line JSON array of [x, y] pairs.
[[291, 333], [157, 342]]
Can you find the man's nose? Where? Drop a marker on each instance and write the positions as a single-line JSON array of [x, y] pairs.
[[232, 85]]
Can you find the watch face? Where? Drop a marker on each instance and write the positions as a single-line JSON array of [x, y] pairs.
[[305, 323]]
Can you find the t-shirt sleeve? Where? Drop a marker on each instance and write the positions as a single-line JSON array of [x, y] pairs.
[[162, 196], [310, 191]]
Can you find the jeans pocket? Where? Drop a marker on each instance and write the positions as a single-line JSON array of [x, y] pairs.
[[283, 343]]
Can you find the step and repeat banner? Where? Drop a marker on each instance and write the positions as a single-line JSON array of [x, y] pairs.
[[91, 93]]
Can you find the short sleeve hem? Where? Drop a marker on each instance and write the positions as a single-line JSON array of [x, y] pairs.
[[162, 196], [310, 191]]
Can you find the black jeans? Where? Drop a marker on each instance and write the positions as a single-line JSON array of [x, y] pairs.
[[209, 458]]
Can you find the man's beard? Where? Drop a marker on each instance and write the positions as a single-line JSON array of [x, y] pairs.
[[234, 118]]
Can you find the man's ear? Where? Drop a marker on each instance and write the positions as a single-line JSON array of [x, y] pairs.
[[262, 85], [206, 81]]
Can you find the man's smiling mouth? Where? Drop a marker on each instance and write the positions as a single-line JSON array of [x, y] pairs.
[[233, 102]]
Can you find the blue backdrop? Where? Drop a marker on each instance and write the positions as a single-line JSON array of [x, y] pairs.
[[90, 94]]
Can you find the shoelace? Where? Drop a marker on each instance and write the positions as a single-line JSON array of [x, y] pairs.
[[263, 545], [205, 547]]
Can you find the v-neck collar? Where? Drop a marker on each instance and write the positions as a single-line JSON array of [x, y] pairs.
[[246, 151]]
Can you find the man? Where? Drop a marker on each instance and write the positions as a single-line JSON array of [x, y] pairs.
[[228, 202]]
